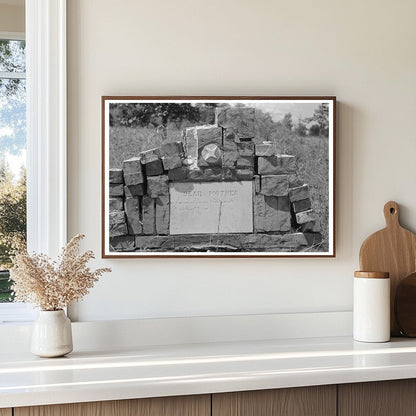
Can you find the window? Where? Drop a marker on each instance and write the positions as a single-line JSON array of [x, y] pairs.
[[12, 155], [46, 134], [12, 164]]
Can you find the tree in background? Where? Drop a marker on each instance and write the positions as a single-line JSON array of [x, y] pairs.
[[301, 128], [12, 213], [265, 126], [287, 121], [314, 130], [321, 117], [12, 59], [157, 114]]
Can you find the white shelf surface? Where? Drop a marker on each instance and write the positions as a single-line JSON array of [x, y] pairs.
[[166, 370]]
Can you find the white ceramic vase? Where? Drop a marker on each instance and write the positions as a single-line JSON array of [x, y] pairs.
[[52, 334]]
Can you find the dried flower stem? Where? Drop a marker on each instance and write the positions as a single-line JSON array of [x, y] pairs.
[[53, 285]]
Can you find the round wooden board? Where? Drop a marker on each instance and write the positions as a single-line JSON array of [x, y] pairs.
[[405, 306]]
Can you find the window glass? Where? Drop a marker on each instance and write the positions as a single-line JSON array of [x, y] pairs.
[[12, 156], [12, 56]]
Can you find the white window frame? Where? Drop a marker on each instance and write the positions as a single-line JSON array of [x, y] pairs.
[[46, 134]]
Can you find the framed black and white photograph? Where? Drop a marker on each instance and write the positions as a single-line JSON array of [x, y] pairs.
[[218, 176]]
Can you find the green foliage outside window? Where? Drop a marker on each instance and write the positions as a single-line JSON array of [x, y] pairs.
[[12, 145]]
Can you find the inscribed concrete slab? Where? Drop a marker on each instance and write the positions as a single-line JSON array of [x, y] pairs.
[[211, 207]]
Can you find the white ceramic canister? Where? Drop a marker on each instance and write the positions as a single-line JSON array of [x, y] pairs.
[[371, 310]]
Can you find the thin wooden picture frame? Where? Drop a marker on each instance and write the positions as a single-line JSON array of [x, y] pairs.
[[213, 176]]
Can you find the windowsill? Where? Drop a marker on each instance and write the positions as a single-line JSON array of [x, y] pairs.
[[16, 313]]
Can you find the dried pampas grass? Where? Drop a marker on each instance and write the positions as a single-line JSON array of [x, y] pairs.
[[53, 285]]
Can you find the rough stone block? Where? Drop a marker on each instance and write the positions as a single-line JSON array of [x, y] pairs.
[[311, 227], [230, 135], [313, 238], [302, 205], [269, 165], [157, 186], [222, 242], [274, 185], [116, 190], [229, 159], [132, 165], [116, 204], [283, 214], [229, 174], [299, 193], [305, 216], [241, 119], [260, 242], [295, 240], [148, 215], [162, 215], [125, 243], [265, 149], [230, 153], [116, 175], [272, 242], [265, 213], [133, 178], [244, 174], [179, 174], [230, 146], [276, 165], [155, 243], [171, 162], [245, 148], [294, 181], [150, 155], [134, 190], [132, 171], [172, 149], [191, 143], [118, 224], [205, 175], [288, 163], [132, 209], [244, 162], [208, 134], [257, 184], [154, 167]]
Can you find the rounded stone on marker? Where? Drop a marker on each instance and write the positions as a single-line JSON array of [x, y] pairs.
[[211, 153]]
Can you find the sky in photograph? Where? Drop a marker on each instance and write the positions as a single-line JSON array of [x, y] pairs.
[[278, 110]]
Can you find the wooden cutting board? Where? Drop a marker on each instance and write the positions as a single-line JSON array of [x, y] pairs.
[[392, 250]]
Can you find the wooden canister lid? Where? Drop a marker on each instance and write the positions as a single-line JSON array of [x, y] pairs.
[[372, 275]]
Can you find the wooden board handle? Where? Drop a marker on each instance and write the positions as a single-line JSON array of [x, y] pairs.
[[391, 214]]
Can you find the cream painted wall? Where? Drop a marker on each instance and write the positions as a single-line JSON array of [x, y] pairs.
[[361, 51], [12, 18]]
